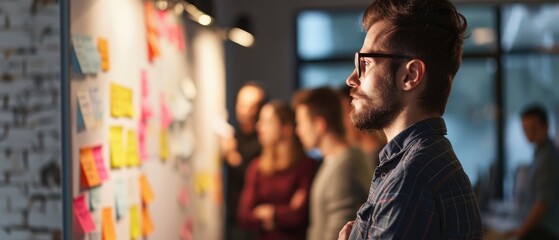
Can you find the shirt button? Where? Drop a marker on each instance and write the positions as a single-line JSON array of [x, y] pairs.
[[382, 175]]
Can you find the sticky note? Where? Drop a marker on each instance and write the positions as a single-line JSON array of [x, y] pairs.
[[142, 131], [133, 158], [121, 101], [164, 144], [147, 222], [135, 227], [166, 118], [109, 232], [146, 190], [83, 215], [96, 105], [121, 199], [103, 47], [75, 63], [100, 162], [94, 198], [86, 54], [89, 167], [86, 108], [183, 197], [116, 147]]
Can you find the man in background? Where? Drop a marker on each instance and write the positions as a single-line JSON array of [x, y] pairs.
[[342, 181], [238, 151], [541, 209]]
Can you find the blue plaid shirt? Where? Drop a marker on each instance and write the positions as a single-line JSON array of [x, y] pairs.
[[419, 190]]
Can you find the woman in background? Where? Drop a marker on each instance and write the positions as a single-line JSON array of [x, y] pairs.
[[274, 201]]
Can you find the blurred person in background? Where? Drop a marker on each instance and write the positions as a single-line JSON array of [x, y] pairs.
[[275, 198], [540, 210], [238, 151], [370, 142], [343, 179]]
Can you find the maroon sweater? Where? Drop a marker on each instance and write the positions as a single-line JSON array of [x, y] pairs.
[[277, 189]]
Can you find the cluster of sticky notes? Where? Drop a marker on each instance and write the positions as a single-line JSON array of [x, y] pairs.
[[124, 151], [85, 55], [83, 215], [90, 112], [121, 101], [93, 165], [103, 47]]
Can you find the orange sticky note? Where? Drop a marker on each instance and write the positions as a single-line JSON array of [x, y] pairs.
[[135, 228], [103, 47], [147, 222], [146, 191], [133, 158], [83, 215], [109, 232], [89, 168], [116, 147]]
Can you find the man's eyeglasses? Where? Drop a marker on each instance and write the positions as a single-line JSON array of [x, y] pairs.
[[358, 63]]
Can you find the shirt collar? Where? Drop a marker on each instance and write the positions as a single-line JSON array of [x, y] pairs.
[[427, 127]]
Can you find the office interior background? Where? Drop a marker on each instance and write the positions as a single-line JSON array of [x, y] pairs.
[[172, 188]]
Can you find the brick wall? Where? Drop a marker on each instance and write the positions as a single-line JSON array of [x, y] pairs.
[[30, 155]]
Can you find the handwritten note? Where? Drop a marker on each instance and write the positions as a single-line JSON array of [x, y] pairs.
[[147, 222], [96, 105], [132, 152], [146, 190], [135, 227], [116, 147], [109, 232], [103, 47], [100, 162], [89, 167], [121, 101], [83, 215], [86, 54]]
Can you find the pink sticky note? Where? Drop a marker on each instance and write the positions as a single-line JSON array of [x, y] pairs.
[[184, 199], [186, 230], [144, 83], [83, 215], [142, 141], [165, 114], [98, 156]]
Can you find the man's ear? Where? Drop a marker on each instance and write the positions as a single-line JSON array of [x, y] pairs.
[[414, 73]]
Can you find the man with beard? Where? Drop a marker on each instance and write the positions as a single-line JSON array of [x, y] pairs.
[[401, 83], [341, 184]]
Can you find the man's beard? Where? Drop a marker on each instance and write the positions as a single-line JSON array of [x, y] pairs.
[[380, 110]]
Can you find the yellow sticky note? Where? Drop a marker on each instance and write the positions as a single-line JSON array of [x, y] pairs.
[[127, 100], [203, 183], [108, 224], [121, 101], [116, 147], [164, 144], [89, 168], [133, 158], [103, 47], [146, 190], [135, 228], [147, 222]]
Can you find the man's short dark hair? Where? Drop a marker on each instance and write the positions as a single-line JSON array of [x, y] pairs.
[[537, 111], [322, 102], [430, 30]]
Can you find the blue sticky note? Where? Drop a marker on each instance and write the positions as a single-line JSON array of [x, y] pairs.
[[87, 54], [75, 63], [94, 198]]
